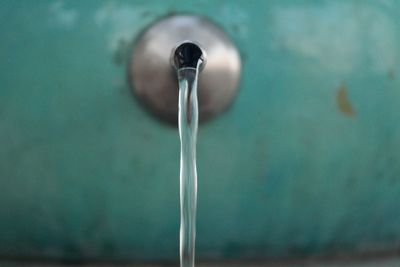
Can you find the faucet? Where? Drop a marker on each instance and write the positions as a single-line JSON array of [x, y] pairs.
[[182, 41], [187, 55]]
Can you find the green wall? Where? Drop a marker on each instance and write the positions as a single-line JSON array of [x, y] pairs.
[[306, 161]]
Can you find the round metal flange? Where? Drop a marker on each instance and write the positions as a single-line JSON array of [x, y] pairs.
[[154, 80]]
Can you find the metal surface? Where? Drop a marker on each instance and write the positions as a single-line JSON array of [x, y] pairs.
[[154, 81]]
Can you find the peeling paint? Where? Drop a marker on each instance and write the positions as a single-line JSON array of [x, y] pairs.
[[335, 36], [62, 16], [123, 21]]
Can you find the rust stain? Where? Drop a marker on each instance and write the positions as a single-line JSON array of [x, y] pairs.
[[343, 102]]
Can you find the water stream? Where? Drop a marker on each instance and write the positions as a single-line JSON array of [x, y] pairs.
[[188, 124]]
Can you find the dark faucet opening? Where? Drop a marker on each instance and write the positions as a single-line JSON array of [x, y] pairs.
[[187, 55]]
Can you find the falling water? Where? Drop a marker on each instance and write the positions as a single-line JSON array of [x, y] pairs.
[[188, 124]]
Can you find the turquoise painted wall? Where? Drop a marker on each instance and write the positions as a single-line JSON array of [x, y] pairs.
[[306, 161]]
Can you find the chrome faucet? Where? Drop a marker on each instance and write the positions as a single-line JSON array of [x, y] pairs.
[[153, 80]]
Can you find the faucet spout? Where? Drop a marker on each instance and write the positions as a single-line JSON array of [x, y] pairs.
[[178, 45], [187, 55]]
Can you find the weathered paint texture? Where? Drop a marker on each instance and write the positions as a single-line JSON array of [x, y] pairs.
[[87, 173]]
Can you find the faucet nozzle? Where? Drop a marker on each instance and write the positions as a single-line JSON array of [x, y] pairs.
[[187, 55]]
